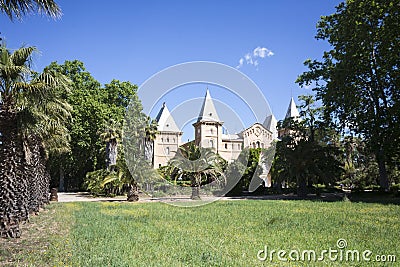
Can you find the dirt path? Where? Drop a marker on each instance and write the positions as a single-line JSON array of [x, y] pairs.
[[84, 196]]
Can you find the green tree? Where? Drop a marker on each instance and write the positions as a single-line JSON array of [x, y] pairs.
[[26, 99], [358, 79], [309, 153], [243, 169], [93, 107], [19, 8], [199, 165]]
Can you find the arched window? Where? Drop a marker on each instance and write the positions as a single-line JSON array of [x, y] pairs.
[[162, 139], [167, 139], [167, 150], [226, 146], [258, 144], [211, 143], [262, 145], [254, 145]]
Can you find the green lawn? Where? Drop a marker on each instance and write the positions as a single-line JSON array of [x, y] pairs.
[[224, 233]]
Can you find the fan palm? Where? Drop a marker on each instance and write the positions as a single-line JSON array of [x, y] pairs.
[[28, 102], [44, 130], [197, 163], [19, 8]]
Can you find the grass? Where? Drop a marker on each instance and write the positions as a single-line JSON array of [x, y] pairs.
[[224, 233]]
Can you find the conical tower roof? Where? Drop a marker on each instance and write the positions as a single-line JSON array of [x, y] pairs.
[[270, 124], [208, 111], [165, 121], [292, 111]]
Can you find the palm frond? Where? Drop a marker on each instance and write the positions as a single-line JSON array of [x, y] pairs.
[[23, 56], [19, 8]]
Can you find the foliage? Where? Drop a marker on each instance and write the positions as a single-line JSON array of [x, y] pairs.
[[309, 153], [32, 118], [19, 8], [94, 106], [199, 165], [243, 169], [110, 182], [358, 79]]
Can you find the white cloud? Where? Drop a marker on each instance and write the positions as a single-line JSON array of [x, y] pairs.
[[241, 60], [262, 52], [252, 58]]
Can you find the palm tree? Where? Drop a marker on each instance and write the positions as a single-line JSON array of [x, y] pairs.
[[111, 135], [26, 99], [19, 8], [198, 164], [151, 133], [44, 131]]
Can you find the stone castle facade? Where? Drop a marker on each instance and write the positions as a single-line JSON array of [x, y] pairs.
[[209, 133]]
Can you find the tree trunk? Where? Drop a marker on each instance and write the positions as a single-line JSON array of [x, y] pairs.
[[301, 187], [37, 175], [383, 176], [61, 186], [196, 182], [195, 193], [149, 150], [111, 153], [32, 157], [133, 194], [13, 183]]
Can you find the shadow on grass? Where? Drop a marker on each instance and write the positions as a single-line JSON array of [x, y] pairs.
[[375, 197], [333, 196]]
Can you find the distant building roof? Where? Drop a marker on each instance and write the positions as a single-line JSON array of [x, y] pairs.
[[270, 124], [208, 111], [165, 122], [292, 111]]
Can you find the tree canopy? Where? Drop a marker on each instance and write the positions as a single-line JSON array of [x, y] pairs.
[[358, 79]]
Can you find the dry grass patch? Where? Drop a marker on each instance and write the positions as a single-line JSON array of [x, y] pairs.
[[44, 240]]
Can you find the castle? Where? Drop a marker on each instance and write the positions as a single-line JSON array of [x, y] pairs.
[[209, 133]]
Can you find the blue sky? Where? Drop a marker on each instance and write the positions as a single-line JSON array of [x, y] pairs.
[[133, 40]]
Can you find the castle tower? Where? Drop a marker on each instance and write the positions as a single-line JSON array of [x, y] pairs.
[[168, 138], [208, 127], [270, 124], [292, 112]]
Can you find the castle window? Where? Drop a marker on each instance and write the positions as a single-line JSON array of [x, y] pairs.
[[239, 146], [211, 131], [262, 145], [211, 143], [226, 146], [258, 144], [167, 139], [167, 150], [173, 140], [162, 139]]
